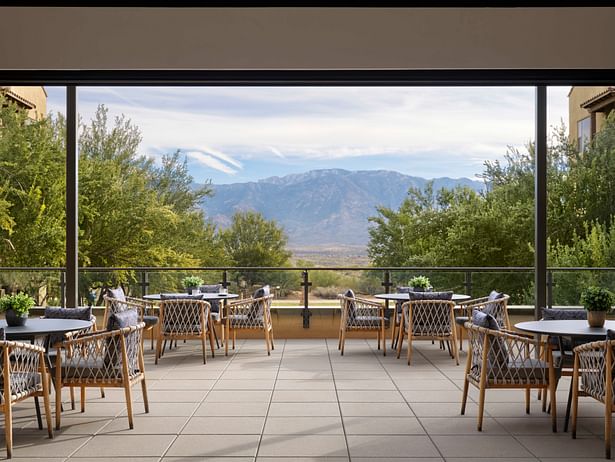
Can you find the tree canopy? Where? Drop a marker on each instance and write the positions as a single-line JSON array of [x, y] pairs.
[[462, 227]]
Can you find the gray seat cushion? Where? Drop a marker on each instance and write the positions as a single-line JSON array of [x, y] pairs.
[[367, 321], [212, 289], [181, 297], [83, 314], [123, 319], [448, 295], [150, 321]]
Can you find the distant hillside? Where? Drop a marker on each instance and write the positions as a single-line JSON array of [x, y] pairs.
[[321, 207]]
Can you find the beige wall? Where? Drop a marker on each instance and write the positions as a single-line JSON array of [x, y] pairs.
[[297, 38], [35, 95], [577, 96]]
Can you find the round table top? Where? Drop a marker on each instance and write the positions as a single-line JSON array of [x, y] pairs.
[[38, 327], [404, 297], [566, 328], [204, 296]]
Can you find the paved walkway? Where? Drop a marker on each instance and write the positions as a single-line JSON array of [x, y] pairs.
[[307, 403]]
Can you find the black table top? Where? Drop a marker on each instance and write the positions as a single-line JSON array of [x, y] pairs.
[[39, 327], [205, 296], [404, 297], [566, 328]]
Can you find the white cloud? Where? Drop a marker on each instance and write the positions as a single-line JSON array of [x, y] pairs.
[[221, 126], [211, 162]]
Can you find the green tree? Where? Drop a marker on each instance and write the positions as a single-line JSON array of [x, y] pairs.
[[251, 240], [32, 218]]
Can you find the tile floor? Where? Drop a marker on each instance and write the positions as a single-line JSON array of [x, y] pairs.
[[307, 403]]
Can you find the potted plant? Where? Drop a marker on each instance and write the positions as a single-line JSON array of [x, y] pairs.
[[597, 301], [192, 283], [16, 308], [420, 284]]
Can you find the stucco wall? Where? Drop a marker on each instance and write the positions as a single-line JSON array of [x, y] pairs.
[[299, 38]]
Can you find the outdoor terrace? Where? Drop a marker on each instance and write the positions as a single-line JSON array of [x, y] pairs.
[[307, 403]]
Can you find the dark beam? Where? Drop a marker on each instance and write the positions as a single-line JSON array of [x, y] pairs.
[[364, 77], [72, 200], [540, 204]]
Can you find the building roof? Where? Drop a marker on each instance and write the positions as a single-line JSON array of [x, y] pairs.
[[20, 99], [595, 102]]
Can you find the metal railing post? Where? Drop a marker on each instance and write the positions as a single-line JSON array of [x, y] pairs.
[[305, 312], [224, 281], [144, 283], [550, 289], [386, 283], [468, 282], [62, 289]]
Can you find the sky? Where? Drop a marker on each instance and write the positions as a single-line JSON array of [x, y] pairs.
[[239, 134]]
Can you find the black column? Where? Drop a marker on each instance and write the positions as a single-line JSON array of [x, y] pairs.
[[72, 200], [540, 204]]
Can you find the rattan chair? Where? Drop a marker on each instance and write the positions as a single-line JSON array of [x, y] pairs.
[[24, 375], [395, 315], [117, 301], [496, 304], [82, 313], [252, 313], [593, 376], [185, 319], [361, 315], [112, 358], [502, 359], [428, 320]]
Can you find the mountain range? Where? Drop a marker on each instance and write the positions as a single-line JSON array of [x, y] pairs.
[[321, 208]]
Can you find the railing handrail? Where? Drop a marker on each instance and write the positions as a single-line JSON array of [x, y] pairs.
[[308, 268]]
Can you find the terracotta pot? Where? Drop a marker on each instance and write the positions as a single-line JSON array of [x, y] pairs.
[[596, 318], [13, 319]]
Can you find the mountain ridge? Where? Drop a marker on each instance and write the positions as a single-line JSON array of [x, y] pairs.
[[321, 206]]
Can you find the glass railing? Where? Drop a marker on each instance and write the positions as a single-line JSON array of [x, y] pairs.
[[307, 288]]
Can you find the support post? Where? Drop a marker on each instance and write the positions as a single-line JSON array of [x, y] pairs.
[[540, 203], [305, 312], [468, 282], [144, 282], [72, 199]]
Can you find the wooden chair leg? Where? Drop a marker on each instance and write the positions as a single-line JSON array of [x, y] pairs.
[[409, 347], [58, 388], [158, 349], [527, 400], [481, 407], [343, 340], [378, 337], [72, 398], [211, 340], [45, 383], [608, 422], [575, 398], [234, 337], [204, 348], [145, 398], [128, 394], [82, 399], [8, 427], [227, 336], [400, 341], [464, 397], [552, 399], [267, 341], [271, 339]]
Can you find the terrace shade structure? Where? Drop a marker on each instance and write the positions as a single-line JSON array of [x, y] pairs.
[[425, 44]]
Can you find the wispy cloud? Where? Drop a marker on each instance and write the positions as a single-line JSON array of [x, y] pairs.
[[211, 162], [224, 128]]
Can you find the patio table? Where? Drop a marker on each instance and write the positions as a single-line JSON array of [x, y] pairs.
[[204, 296], [405, 297], [41, 328], [578, 329]]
